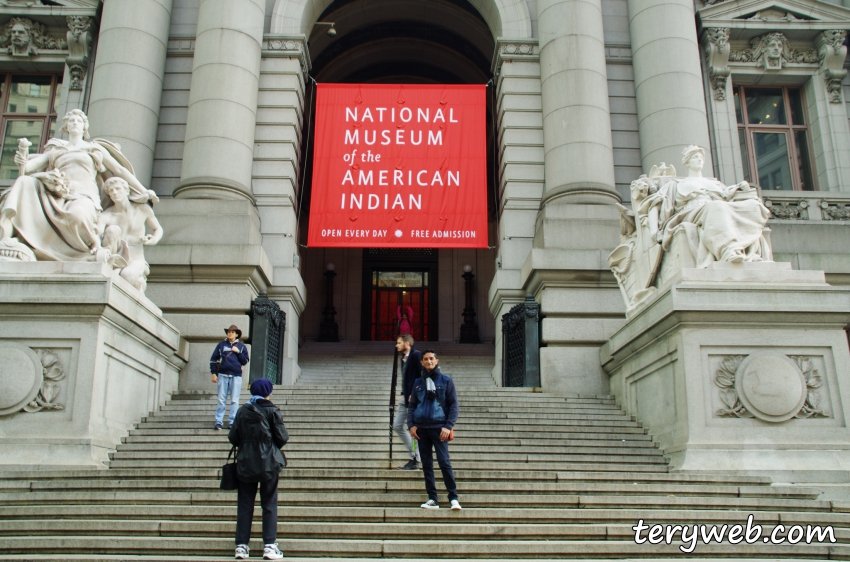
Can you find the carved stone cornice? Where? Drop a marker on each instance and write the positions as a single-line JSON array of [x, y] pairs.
[[288, 46], [771, 50], [831, 54], [508, 50], [788, 210], [79, 38], [717, 49], [23, 38]]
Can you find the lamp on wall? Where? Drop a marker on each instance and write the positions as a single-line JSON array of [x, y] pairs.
[[329, 330], [469, 328], [331, 30]]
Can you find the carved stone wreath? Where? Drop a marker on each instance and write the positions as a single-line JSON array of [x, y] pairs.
[[769, 386], [30, 379], [835, 211], [788, 210]]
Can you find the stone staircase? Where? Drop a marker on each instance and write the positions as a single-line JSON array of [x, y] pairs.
[[540, 476]]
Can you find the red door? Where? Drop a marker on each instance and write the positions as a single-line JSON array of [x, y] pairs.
[[405, 289]]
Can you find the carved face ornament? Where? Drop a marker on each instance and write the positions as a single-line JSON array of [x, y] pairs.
[[19, 35], [774, 49]]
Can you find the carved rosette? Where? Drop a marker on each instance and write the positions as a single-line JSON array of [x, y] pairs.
[[831, 54], [770, 387], [788, 210], [79, 48], [30, 379], [717, 49], [289, 47]]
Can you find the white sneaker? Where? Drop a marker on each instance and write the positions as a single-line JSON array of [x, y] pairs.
[[272, 552], [242, 551], [430, 504], [456, 505]]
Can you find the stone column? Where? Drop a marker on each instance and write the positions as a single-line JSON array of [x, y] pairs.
[[127, 81], [668, 80], [219, 149], [579, 157]]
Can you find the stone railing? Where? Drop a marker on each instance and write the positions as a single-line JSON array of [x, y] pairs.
[[808, 205]]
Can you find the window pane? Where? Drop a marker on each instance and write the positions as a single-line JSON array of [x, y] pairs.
[[804, 161], [742, 139], [797, 115], [52, 133], [57, 96], [765, 107], [29, 94], [14, 131], [774, 168], [738, 115]]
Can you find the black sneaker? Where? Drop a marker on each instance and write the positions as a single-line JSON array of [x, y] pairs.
[[411, 465], [217, 427]]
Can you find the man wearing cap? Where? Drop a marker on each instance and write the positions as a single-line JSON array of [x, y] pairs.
[[226, 368]]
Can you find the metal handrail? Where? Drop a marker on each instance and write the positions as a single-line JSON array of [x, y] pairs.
[[392, 405]]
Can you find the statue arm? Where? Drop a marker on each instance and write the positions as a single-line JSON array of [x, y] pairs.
[[35, 163], [153, 224], [116, 168]]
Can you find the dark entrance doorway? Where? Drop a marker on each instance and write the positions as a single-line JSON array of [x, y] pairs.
[[398, 282]]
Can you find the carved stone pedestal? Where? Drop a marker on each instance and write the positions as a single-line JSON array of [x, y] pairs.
[[84, 356], [741, 368]]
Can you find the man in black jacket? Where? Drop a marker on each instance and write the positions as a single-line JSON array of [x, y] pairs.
[[411, 364], [259, 433]]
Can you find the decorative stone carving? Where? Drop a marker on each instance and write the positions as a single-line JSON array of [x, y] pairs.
[[21, 3], [514, 49], [52, 375], [788, 210], [715, 222], [30, 379], [834, 211], [56, 207], [290, 47], [769, 386], [771, 50], [12, 250], [717, 50], [79, 49], [831, 54], [25, 37]]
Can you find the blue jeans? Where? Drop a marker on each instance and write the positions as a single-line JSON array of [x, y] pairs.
[[428, 439], [232, 386]]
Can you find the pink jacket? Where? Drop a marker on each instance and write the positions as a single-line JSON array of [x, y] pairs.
[[404, 326]]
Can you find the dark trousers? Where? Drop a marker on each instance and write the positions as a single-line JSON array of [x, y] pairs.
[[245, 510], [430, 439]]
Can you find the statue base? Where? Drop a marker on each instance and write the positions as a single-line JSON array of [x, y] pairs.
[[741, 368], [85, 356]]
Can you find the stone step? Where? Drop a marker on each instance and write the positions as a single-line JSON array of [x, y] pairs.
[[410, 548], [471, 500], [628, 433], [414, 484], [349, 474], [374, 464], [377, 423], [319, 436]]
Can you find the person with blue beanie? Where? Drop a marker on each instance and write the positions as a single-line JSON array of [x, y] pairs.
[[258, 433]]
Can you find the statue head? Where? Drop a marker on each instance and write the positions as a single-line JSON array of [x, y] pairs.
[[771, 48], [641, 188], [19, 32], [75, 120], [116, 188], [19, 35], [693, 157]]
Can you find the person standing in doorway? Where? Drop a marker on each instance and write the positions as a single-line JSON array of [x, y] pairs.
[[432, 414], [405, 320], [226, 365], [411, 364]]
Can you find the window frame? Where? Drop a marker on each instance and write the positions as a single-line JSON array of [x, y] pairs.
[[6, 116], [789, 129]]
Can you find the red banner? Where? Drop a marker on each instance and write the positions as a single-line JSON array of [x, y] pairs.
[[399, 166]]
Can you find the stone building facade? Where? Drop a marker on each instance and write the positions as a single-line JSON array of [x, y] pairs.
[[211, 100]]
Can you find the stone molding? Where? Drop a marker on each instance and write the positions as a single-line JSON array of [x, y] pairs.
[[794, 210], [748, 387], [288, 46], [835, 210], [79, 38], [35, 378], [831, 55], [509, 50], [717, 49], [812, 206]]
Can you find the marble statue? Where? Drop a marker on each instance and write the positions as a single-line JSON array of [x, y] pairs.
[[704, 219], [55, 209]]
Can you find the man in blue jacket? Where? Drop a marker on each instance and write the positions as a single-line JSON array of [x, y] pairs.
[[226, 368], [411, 365], [432, 414]]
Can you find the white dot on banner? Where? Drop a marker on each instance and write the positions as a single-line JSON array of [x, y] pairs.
[[398, 234]]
